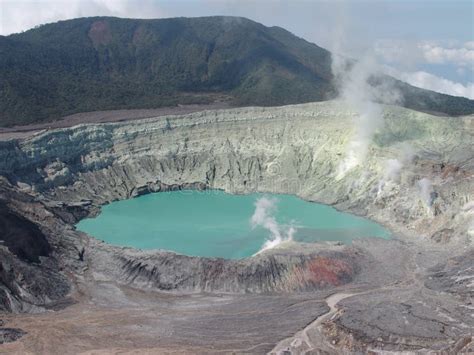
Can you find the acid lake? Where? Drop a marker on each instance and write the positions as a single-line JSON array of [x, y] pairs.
[[216, 224]]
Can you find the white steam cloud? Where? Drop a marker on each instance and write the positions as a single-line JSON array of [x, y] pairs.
[[392, 169], [356, 92], [355, 89], [264, 217], [426, 189]]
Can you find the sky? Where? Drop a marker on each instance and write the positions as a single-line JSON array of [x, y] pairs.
[[428, 43]]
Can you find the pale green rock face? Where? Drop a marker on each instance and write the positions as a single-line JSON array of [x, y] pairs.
[[216, 224]]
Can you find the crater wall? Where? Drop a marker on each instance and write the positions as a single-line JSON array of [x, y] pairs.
[[415, 177]]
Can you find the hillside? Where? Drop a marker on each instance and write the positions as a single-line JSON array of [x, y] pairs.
[[105, 63]]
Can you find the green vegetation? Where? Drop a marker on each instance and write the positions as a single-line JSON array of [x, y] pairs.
[[103, 63]]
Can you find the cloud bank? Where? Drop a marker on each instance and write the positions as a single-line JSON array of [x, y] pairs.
[[433, 52], [404, 57], [429, 81]]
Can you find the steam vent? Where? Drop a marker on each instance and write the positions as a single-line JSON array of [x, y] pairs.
[[202, 211]]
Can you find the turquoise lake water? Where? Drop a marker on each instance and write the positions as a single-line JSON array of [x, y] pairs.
[[216, 224]]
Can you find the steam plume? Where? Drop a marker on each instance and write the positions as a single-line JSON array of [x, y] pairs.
[[426, 190], [392, 169], [355, 81], [263, 217]]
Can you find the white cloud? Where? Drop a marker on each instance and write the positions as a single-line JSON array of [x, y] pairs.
[[469, 44], [432, 82], [433, 52], [20, 15], [437, 54], [403, 53], [15, 15], [407, 57]]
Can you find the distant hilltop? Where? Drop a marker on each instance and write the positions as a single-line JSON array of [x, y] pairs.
[[105, 63]]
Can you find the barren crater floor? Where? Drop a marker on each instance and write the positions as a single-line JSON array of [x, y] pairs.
[[72, 293]]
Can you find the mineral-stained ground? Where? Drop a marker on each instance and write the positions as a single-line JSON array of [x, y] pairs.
[[64, 292]]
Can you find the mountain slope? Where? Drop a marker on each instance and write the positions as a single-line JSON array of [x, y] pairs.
[[103, 63]]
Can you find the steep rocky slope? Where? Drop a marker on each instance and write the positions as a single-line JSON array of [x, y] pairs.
[[416, 179]]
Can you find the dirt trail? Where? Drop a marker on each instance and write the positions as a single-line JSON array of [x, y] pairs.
[[302, 342], [311, 339]]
